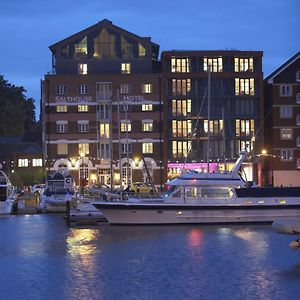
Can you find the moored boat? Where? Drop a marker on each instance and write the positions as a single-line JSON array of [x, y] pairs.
[[202, 198], [8, 196]]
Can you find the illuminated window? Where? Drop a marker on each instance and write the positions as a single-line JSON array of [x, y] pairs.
[[286, 133], [125, 125], [81, 48], [37, 162], [61, 108], [83, 126], [147, 125], [215, 126], [244, 127], [61, 126], [104, 130], [180, 149], [181, 107], [125, 88], [286, 112], [243, 64], [244, 145], [142, 50], [147, 107], [82, 69], [125, 68], [83, 108], [216, 64], [61, 89], [244, 86], [285, 90], [83, 149], [82, 89], [22, 162], [181, 128], [286, 154], [147, 88], [181, 86], [147, 148], [62, 149], [180, 65]]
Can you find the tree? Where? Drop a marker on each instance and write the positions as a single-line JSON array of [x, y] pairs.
[[16, 112]]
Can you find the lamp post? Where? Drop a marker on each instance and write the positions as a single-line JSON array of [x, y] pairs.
[[267, 167]]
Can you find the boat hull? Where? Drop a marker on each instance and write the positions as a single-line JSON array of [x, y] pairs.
[[145, 214]]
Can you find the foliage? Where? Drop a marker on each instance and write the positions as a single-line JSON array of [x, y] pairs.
[[16, 112]]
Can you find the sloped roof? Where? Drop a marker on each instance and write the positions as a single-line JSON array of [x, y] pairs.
[[102, 24], [271, 77]]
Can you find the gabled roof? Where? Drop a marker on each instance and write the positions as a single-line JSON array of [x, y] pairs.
[[102, 24], [271, 77]]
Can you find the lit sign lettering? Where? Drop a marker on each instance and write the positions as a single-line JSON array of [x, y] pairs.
[[74, 99], [133, 98]]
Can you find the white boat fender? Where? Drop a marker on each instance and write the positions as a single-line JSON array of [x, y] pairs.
[[294, 245]]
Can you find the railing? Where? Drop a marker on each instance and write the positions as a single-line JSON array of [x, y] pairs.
[[104, 95]]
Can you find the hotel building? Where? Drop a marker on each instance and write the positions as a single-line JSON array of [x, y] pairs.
[[282, 98], [101, 107]]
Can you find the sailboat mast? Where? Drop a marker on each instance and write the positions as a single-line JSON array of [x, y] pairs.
[[224, 141], [208, 116]]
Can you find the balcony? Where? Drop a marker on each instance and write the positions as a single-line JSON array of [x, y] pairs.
[[103, 95]]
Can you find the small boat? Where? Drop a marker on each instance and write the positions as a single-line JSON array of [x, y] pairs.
[[205, 198], [59, 189], [8, 196]]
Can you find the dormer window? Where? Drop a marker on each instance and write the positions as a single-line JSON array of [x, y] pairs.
[[82, 69]]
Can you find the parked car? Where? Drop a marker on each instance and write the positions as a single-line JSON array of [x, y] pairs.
[[140, 188], [38, 189]]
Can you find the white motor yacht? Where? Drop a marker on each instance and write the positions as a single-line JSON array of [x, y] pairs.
[[7, 194]]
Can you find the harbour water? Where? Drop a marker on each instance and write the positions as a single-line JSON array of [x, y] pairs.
[[42, 258]]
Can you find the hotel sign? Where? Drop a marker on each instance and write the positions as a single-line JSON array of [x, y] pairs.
[[136, 98], [74, 99]]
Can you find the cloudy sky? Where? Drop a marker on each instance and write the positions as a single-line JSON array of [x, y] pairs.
[[28, 28]]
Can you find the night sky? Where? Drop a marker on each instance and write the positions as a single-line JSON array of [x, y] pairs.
[[28, 28]]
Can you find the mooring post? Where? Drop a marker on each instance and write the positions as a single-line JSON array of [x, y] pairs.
[[68, 212]]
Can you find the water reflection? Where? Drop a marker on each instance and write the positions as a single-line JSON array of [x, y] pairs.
[[194, 238]]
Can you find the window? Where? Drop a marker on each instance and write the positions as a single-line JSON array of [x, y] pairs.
[[181, 128], [244, 127], [147, 148], [298, 98], [181, 107], [285, 90], [244, 86], [125, 107], [83, 108], [298, 163], [61, 126], [126, 148], [103, 91], [298, 141], [125, 125], [104, 130], [125, 68], [147, 88], [81, 48], [243, 64], [286, 112], [61, 108], [82, 89], [180, 65], [82, 69], [22, 162], [180, 148], [83, 126], [181, 87], [216, 64], [142, 50], [147, 125], [286, 133], [147, 107], [215, 126], [62, 149], [104, 111], [83, 149], [37, 162], [61, 89], [286, 154], [298, 76], [104, 150], [298, 120], [125, 88]]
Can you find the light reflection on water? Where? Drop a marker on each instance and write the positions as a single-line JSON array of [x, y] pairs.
[[53, 261]]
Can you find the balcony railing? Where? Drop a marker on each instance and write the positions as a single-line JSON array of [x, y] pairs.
[[104, 95]]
